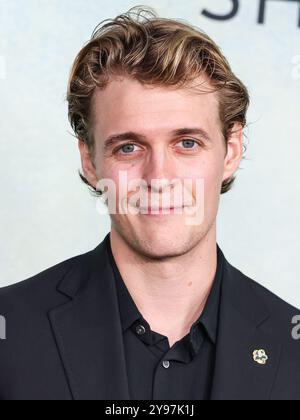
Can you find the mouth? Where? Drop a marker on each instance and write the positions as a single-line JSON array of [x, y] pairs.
[[161, 211]]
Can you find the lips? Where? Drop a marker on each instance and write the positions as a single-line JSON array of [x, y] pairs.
[[156, 210], [159, 208]]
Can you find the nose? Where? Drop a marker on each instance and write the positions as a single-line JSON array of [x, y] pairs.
[[159, 167]]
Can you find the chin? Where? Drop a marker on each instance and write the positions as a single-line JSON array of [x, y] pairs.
[[159, 241], [160, 253], [160, 247]]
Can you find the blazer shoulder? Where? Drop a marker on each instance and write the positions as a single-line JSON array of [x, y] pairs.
[[40, 283], [275, 303], [254, 295]]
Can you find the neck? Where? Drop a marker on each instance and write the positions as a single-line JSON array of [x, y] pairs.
[[171, 294]]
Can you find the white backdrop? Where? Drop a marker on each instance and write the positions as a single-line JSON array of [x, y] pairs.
[[47, 215]]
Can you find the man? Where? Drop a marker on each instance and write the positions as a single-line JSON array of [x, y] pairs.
[[155, 311]]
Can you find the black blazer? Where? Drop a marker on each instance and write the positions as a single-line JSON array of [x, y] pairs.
[[64, 338]]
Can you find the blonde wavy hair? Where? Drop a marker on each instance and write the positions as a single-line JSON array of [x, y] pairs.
[[153, 51]]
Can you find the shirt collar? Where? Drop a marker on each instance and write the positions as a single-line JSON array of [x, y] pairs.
[[210, 315], [129, 312]]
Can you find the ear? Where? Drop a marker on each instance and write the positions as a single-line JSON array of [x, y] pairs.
[[88, 168], [234, 153]]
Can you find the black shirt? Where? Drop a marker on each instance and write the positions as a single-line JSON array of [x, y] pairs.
[[156, 371]]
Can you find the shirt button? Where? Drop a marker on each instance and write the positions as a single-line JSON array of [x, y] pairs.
[[166, 364], [140, 329]]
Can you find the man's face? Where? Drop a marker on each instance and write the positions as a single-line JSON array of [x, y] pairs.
[[155, 114]]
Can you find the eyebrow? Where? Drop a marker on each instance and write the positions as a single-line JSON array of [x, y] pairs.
[[116, 138]]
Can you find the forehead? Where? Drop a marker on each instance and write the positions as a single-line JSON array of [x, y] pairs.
[[126, 104]]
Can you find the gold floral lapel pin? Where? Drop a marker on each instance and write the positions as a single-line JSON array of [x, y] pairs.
[[260, 356]]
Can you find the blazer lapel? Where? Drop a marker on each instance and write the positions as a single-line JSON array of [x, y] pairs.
[[241, 331], [88, 332]]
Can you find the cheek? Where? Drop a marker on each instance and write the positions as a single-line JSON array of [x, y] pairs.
[[210, 173], [210, 170], [124, 182], [212, 192], [116, 170]]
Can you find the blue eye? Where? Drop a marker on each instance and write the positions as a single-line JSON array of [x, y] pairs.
[[188, 143], [127, 148]]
